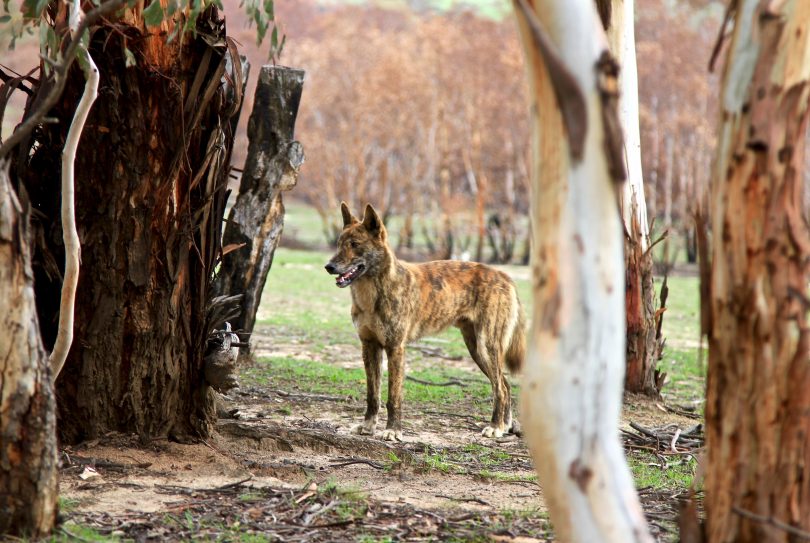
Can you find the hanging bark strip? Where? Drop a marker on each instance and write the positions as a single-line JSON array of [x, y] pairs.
[[271, 168], [575, 369], [758, 405], [70, 236], [28, 465]]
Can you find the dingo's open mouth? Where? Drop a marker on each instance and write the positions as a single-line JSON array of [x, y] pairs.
[[345, 279]]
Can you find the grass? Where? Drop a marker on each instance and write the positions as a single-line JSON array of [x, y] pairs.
[[70, 533], [649, 471], [325, 378]]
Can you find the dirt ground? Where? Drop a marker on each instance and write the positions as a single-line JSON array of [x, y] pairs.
[[284, 466]]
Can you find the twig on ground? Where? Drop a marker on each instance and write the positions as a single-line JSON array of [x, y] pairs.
[[451, 382], [675, 440], [682, 412], [350, 461], [465, 499], [312, 516], [230, 485], [435, 352]]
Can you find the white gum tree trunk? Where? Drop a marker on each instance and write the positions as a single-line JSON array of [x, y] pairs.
[[642, 344], [574, 372], [621, 37]]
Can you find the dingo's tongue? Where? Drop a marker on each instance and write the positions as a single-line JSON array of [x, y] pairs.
[[344, 280]]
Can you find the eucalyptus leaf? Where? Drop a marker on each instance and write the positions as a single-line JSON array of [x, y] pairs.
[[129, 58], [153, 14], [5, 18]]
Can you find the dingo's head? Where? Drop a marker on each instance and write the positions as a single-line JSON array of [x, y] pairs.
[[361, 248]]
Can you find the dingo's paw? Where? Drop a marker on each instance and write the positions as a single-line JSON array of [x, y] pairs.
[[489, 431], [366, 428], [392, 435]]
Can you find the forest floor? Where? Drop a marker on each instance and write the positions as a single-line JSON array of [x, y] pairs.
[[284, 465]]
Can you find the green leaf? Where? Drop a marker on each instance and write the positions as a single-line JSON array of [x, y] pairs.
[[171, 8], [153, 15], [268, 9], [129, 58], [173, 34], [274, 38], [5, 18]]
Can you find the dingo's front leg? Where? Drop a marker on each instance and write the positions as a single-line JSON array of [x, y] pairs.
[[372, 361], [396, 376]]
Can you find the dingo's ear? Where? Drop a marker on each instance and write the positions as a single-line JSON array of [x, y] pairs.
[[348, 218], [371, 221]]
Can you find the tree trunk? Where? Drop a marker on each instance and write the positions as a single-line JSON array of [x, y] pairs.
[[271, 167], [575, 367], [28, 466], [642, 349], [758, 405], [151, 176]]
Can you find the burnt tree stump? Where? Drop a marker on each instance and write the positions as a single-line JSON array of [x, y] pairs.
[[256, 220]]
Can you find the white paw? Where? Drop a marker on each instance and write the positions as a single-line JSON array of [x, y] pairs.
[[391, 435], [489, 431], [366, 428]]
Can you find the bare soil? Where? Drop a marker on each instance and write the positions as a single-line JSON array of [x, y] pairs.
[[284, 466]]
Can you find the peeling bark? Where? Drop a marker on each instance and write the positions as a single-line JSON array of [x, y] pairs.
[[758, 406], [573, 374], [271, 168], [28, 465]]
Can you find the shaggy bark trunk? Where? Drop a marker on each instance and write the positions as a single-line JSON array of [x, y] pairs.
[[642, 350], [271, 167], [758, 406], [151, 175], [575, 368], [28, 466]]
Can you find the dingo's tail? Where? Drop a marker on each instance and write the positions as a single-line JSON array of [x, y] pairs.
[[516, 350]]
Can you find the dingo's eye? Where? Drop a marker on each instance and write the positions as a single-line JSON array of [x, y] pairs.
[[353, 244]]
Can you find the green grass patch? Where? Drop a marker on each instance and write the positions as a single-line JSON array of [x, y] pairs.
[[506, 477], [676, 472], [66, 505], [324, 378], [70, 533]]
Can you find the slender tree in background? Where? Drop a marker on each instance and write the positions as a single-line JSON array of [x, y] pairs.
[[758, 405], [642, 345], [574, 373]]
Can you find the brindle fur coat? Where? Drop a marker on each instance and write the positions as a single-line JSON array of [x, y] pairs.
[[394, 302]]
